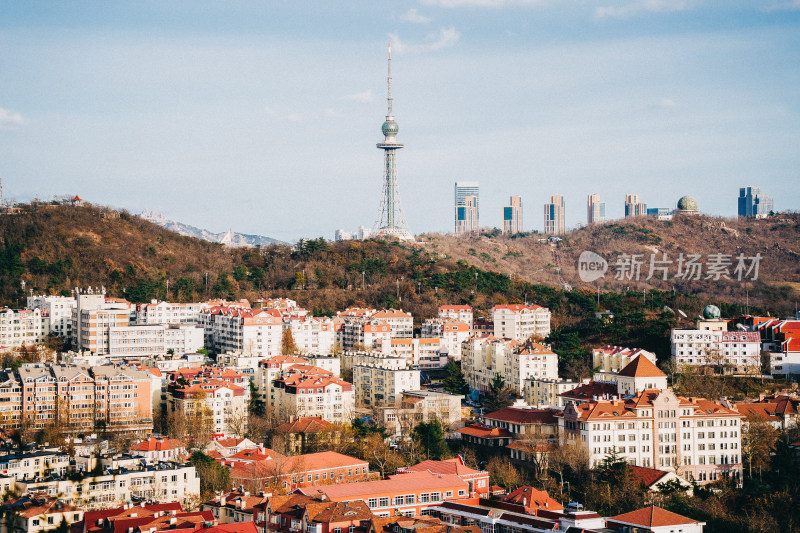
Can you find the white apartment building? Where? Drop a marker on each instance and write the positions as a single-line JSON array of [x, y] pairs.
[[484, 356], [377, 386], [367, 333], [94, 327], [740, 350], [314, 393], [521, 322], [638, 376], [614, 358], [60, 310], [183, 338], [330, 362], [225, 403], [156, 450], [451, 332], [135, 340], [268, 371], [699, 438], [120, 483], [420, 353], [367, 326], [233, 328], [311, 334], [351, 360], [28, 465], [544, 392], [462, 313], [169, 313], [423, 406], [23, 326]]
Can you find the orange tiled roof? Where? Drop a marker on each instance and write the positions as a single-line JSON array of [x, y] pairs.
[[641, 367], [477, 430], [532, 498], [153, 444], [653, 517], [306, 424], [447, 466]]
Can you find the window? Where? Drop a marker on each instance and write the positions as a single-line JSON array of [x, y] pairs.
[[372, 503], [409, 499], [384, 502]]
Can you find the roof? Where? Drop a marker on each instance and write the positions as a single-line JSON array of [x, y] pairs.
[[306, 424], [398, 482], [478, 430], [648, 476], [455, 308], [519, 415], [155, 444], [653, 517], [328, 512], [448, 466], [587, 391], [641, 367], [532, 498]]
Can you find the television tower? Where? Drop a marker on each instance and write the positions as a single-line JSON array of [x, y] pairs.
[[391, 222]]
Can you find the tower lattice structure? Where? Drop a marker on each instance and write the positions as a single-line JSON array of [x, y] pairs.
[[391, 221]]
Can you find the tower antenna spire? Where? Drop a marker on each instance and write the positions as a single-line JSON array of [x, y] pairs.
[[389, 111]]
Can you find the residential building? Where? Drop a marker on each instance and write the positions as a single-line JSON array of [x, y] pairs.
[[595, 210], [651, 478], [235, 507], [532, 425], [306, 434], [544, 392], [421, 353], [104, 521], [780, 339], [183, 339], [485, 436], [269, 370], [160, 449], [633, 207], [312, 335], [310, 391], [512, 216], [461, 313], [466, 196], [753, 203], [221, 402], [225, 447], [34, 513], [59, 309], [737, 350], [653, 520], [23, 327], [235, 328], [410, 494], [35, 463], [554, 216], [699, 438], [378, 386], [781, 411], [450, 332], [521, 321], [418, 406], [169, 313], [614, 358], [484, 356]]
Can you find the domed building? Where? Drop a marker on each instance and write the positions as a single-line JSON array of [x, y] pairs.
[[687, 205]]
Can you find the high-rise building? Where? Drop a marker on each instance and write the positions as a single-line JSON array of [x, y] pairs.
[[467, 215], [595, 210], [512, 215], [554, 215], [752, 203], [633, 207], [463, 190], [391, 222]]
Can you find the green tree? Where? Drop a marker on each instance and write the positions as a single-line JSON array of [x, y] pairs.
[[499, 396], [430, 437], [256, 406], [213, 476], [455, 382]]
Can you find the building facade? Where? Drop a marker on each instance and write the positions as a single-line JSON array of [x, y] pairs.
[[554, 216], [595, 210], [512, 216]]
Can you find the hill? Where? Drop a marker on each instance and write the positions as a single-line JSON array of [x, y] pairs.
[[229, 238]]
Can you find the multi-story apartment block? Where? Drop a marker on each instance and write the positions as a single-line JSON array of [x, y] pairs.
[[461, 313], [159, 449], [94, 328], [37, 463], [521, 321], [753, 203], [183, 338], [450, 331], [477, 480], [60, 311], [423, 406], [224, 403], [615, 358], [34, 513], [739, 350], [656, 428], [135, 341], [237, 328], [312, 335], [169, 313], [268, 371], [351, 360], [312, 391], [484, 356], [780, 339], [402, 323], [633, 207], [466, 205], [378, 386], [420, 353], [81, 398], [512, 215], [20, 327], [554, 216], [364, 334], [637, 376], [544, 392], [595, 210]]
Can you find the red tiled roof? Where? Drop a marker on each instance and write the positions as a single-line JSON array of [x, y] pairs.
[[589, 390], [153, 444], [305, 424], [477, 430], [448, 466], [653, 517], [532, 498], [518, 415], [648, 476], [397, 482], [641, 367]]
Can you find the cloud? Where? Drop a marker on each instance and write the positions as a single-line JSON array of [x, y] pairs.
[[412, 15], [10, 119], [666, 103], [365, 96], [484, 3], [640, 6], [291, 117], [444, 38], [792, 5], [332, 113]]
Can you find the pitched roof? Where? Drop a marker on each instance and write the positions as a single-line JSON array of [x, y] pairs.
[[154, 444], [653, 517], [532, 498], [648, 476], [519, 415], [448, 466], [641, 367], [397, 482], [328, 512], [306, 424], [478, 430]]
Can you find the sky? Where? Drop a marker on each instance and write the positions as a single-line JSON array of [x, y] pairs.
[[262, 116]]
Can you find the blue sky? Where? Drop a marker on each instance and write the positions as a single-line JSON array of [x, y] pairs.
[[262, 117]]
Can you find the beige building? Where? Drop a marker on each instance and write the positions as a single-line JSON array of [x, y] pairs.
[[60, 310], [451, 333], [595, 210], [224, 403], [462, 313], [379, 386], [614, 358], [418, 406], [520, 321], [312, 391], [544, 392], [484, 356], [554, 216], [20, 327], [512, 215], [633, 207]]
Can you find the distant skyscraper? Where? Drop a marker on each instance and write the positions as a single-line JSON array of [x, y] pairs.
[[463, 190], [512, 215], [554, 215], [467, 215], [391, 222], [633, 207], [753, 203], [595, 210]]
